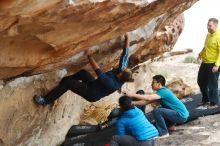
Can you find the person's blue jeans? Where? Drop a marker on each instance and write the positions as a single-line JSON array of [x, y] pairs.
[[165, 118], [208, 83]]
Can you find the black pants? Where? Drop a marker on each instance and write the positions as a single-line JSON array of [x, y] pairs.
[[208, 83], [127, 140], [78, 83]]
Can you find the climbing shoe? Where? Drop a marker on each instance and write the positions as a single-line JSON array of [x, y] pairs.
[[39, 100]]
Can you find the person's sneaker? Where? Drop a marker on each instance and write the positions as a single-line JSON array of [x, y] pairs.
[[172, 128], [39, 100], [164, 136], [202, 103], [212, 106]]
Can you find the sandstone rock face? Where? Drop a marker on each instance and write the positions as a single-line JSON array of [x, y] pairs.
[[50, 36], [24, 123], [179, 88], [40, 36]]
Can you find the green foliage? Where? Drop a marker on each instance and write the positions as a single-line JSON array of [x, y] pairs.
[[191, 59]]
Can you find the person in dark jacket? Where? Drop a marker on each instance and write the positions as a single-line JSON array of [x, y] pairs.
[[133, 128], [85, 85]]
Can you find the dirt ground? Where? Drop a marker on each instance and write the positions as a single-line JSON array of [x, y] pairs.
[[204, 131]]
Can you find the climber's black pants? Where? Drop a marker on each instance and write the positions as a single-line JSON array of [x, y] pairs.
[[76, 83]]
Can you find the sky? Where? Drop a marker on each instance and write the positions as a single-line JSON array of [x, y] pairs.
[[195, 27]]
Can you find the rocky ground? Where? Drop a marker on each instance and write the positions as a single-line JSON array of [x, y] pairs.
[[204, 131]]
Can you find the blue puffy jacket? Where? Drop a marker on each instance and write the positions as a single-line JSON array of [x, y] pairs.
[[133, 122]]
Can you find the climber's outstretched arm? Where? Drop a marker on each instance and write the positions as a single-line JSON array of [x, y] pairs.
[[92, 61]]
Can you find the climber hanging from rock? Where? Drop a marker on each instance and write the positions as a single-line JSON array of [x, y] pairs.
[[85, 85]]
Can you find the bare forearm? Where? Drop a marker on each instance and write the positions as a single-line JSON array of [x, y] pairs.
[[126, 41], [138, 96], [150, 97], [141, 102], [93, 63]]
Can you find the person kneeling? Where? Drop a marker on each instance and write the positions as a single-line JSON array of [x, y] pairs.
[[133, 128]]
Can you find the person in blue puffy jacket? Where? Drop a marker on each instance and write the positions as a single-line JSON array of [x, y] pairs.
[[133, 128]]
